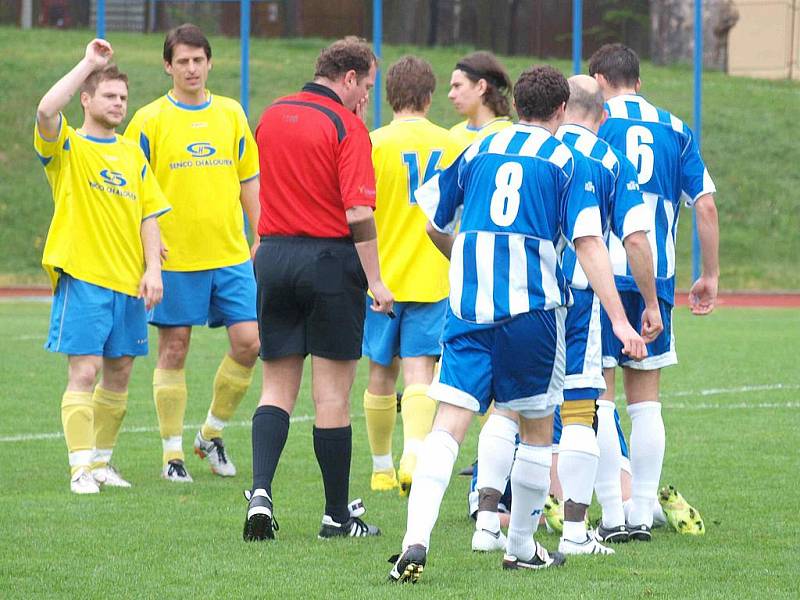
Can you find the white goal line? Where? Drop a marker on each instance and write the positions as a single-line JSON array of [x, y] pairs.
[[771, 387]]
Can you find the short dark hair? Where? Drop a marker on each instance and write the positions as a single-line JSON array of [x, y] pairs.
[[484, 65], [410, 82], [107, 73], [349, 54], [188, 35], [617, 63], [539, 92]]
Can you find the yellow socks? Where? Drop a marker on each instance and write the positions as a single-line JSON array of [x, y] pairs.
[[381, 414], [418, 410], [109, 410], [169, 394], [77, 417], [230, 386]]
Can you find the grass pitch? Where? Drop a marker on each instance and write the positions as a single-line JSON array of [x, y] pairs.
[[749, 138], [732, 418]]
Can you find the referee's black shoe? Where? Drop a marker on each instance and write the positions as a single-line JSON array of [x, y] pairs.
[[260, 523], [352, 527]]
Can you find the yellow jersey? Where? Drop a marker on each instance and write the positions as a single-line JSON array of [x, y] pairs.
[[405, 154], [200, 155], [103, 189], [462, 135]]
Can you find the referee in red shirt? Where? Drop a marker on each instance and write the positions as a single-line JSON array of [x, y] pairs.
[[318, 255]]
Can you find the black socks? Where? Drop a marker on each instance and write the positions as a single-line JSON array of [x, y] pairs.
[[333, 448], [270, 430]]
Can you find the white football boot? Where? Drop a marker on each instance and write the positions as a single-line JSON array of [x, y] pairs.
[[109, 476], [82, 482], [484, 540], [214, 451], [588, 546]]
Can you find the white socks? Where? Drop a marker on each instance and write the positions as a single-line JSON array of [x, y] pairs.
[[647, 456], [431, 477], [659, 518], [530, 480], [496, 446], [607, 484], [382, 463], [578, 455]]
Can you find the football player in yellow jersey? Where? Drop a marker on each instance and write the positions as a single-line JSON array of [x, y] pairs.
[[204, 156], [102, 254], [405, 153], [479, 90]]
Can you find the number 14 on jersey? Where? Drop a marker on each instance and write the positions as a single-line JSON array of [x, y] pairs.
[[411, 161]]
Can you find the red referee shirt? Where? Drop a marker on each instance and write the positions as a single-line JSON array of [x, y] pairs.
[[316, 162]]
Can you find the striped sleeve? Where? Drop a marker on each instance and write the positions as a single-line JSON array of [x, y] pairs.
[[630, 213], [581, 214], [695, 180], [442, 197]]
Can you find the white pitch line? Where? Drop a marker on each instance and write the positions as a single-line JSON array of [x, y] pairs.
[[734, 390], [770, 387], [34, 437]]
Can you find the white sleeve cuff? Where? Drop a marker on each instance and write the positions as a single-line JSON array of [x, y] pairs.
[[637, 219], [588, 223]]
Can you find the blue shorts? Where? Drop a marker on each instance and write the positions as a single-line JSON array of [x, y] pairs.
[[223, 296], [623, 445], [519, 364], [584, 378], [88, 319], [415, 331], [660, 353]]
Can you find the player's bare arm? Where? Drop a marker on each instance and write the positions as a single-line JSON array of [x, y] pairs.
[[151, 287], [442, 241], [593, 257], [362, 228], [703, 295], [98, 54], [251, 205], [640, 260]]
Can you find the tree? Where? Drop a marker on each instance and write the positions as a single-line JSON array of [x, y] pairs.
[[672, 23]]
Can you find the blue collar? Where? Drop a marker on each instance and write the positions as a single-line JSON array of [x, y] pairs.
[[184, 106], [97, 140]]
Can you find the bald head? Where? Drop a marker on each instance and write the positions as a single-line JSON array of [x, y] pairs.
[[585, 100]]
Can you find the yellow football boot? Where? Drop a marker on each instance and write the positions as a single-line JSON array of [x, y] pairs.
[[408, 462], [554, 514], [683, 517], [383, 481]]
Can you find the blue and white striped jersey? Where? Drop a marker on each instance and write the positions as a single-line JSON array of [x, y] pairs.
[[622, 210], [670, 169], [521, 196]]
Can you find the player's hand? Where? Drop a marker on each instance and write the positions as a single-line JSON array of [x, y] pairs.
[[632, 343], [382, 298], [652, 326], [254, 249], [151, 288], [361, 108], [99, 53], [703, 295]]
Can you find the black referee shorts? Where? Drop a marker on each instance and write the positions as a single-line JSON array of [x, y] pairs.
[[311, 297]]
